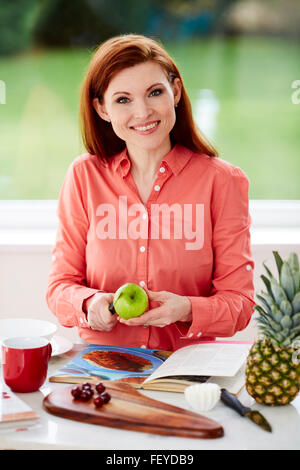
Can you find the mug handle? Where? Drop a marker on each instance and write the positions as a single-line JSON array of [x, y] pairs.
[[49, 351]]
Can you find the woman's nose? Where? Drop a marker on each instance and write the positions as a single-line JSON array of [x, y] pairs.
[[141, 110]]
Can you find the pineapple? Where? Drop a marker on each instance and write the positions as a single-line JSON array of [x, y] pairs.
[[273, 363]]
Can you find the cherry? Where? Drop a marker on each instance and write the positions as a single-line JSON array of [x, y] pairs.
[[105, 397], [85, 395], [86, 392], [98, 401], [76, 392], [86, 386], [100, 387]]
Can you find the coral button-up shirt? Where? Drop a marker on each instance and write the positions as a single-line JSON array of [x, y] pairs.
[[190, 238]]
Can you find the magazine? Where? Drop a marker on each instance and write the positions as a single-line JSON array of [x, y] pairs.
[[14, 412], [220, 362]]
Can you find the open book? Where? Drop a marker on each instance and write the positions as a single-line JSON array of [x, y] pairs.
[[215, 361], [222, 363]]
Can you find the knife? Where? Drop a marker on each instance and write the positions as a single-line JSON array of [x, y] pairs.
[[111, 308], [233, 402]]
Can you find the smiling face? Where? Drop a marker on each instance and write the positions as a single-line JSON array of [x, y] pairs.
[[139, 102]]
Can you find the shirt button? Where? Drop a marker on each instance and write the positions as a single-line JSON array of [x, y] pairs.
[[248, 267], [162, 169], [142, 283], [156, 187], [198, 335], [143, 346], [191, 334], [145, 216], [142, 249], [81, 320]]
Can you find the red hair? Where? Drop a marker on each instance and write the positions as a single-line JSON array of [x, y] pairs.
[[110, 58]]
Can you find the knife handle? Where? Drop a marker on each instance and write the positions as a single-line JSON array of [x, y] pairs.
[[233, 402], [111, 308]]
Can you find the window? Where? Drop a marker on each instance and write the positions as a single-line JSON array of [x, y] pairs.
[[240, 96]]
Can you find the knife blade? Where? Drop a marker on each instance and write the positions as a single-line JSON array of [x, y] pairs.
[[256, 417]]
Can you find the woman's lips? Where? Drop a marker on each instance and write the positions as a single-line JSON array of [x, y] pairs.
[[146, 128]]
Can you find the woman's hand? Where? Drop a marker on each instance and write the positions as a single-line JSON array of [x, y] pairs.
[[98, 315], [172, 308]]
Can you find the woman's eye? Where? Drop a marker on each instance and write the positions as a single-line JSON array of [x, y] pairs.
[[122, 100], [156, 92]]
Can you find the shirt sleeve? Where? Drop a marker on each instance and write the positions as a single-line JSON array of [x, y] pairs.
[[230, 306], [67, 286]]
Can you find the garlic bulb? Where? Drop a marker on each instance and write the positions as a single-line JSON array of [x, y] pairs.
[[202, 397]]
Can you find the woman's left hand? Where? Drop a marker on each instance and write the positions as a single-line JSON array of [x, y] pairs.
[[172, 308]]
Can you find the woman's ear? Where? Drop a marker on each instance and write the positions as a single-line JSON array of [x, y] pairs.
[[100, 109], [177, 87]]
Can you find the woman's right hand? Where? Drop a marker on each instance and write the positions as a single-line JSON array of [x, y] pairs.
[[98, 315]]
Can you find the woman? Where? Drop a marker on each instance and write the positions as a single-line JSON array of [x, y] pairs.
[[150, 203]]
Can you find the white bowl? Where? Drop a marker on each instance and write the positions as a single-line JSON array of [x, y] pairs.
[[17, 327]]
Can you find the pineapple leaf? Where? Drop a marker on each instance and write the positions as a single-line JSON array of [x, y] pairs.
[[296, 342], [268, 271], [285, 333], [278, 260], [261, 311], [274, 325], [266, 319], [274, 338], [286, 343], [268, 285], [278, 292], [264, 302], [262, 321], [276, 313], [296, 303], [293, 262], [296, 319], [287, 280], [286, 307], [295, 331], [268, 298], [264, 331], [278, 337], [286, 322]]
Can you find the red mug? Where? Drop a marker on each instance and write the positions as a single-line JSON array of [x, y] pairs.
[[25, 362]]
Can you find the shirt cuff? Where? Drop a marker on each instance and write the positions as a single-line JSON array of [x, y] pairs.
[[201, 314], [81, 296]]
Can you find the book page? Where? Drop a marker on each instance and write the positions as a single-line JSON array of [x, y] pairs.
[[212, 359]]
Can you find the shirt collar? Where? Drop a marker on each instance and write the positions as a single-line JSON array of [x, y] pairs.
[[176, 160], [121, 161]]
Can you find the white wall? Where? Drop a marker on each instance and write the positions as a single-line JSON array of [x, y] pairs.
[[24, 274], [23, 281]]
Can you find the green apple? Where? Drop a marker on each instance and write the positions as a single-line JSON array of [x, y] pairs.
[[130, 300]]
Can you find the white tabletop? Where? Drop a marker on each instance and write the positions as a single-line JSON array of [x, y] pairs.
[[52, 432]]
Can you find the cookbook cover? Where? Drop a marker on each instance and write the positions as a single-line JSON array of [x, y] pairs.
[[104, 362]]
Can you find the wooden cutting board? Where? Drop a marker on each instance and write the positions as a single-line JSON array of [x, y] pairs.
[[129, 409]]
